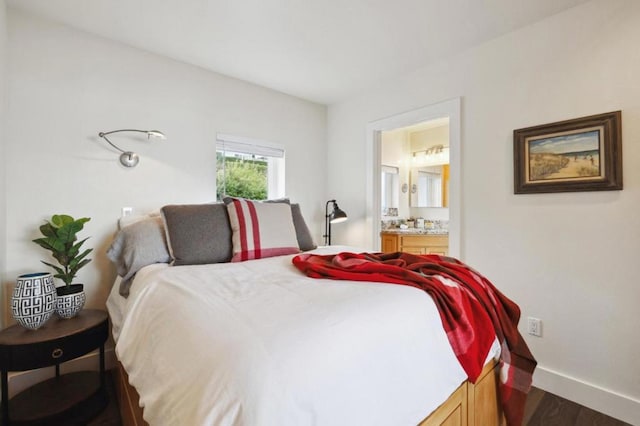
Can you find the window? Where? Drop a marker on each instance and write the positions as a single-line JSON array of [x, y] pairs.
[[390, 194], [248, 168], [429, 189]]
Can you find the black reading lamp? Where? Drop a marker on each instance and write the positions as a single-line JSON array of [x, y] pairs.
[[336, 216]]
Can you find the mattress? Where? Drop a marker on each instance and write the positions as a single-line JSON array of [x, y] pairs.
[[259, 343]]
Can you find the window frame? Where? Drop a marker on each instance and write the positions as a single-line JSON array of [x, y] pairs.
[[274, 152]]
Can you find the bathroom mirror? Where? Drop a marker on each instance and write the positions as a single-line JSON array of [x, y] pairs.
[[430, 186], [390, 190]]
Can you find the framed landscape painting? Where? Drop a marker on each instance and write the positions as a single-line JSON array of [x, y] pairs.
[[583, 154]]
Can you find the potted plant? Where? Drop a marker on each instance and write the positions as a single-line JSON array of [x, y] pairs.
[[60, 238]]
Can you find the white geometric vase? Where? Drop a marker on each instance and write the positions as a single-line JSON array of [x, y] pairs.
[[34, 299], [70, 300]]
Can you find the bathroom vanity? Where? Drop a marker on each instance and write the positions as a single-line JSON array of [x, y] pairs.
[[414, 241]]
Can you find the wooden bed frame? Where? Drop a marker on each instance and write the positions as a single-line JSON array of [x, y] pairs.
[[470, 405]]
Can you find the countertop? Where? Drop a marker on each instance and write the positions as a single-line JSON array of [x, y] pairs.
[[415, 231]]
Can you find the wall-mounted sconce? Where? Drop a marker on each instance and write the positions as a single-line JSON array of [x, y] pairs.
[[336, 216], [129, 158]]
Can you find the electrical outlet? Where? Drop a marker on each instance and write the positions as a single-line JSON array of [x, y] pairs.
[[127, 211], [534, 326]]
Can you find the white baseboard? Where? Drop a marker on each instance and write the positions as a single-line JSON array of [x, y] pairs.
[[606, 401], [21, 380]]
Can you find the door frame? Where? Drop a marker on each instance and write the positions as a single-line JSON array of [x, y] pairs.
[[450, 108]]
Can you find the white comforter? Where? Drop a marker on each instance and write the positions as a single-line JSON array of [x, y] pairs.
[[258, 343]]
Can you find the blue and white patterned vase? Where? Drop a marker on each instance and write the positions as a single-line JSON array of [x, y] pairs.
[[70, 300], [34, 299]]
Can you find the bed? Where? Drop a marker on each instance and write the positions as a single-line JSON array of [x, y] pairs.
[[258, 343]]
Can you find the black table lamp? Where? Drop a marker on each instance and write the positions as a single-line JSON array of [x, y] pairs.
[[336, 216]]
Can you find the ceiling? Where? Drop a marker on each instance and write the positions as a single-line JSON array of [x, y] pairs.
[[320, 50]]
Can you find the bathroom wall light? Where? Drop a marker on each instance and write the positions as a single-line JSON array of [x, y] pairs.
[[129, 158], [432, 156]]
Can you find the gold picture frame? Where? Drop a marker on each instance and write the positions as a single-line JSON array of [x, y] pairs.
[[582, 154]]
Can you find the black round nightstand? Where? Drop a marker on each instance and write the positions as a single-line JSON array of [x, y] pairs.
[[65, 399]]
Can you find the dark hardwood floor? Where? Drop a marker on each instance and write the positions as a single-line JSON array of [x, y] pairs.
[[110, 416], [543, 409], [547, 409]]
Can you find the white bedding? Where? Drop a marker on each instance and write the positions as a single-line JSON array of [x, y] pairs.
[[258, 343]]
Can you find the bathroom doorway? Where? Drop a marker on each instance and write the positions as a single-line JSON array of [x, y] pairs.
[[414, 187], [421, 154]]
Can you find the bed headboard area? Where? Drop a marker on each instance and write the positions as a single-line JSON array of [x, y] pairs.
[[194, 234]]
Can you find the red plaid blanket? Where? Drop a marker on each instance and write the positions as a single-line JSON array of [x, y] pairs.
[[472, 311]]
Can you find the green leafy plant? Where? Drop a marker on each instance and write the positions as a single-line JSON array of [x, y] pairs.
[[59, 237], [241, 178]]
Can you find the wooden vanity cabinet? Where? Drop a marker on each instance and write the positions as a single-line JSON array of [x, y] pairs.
[[389, 242], [416, 243]]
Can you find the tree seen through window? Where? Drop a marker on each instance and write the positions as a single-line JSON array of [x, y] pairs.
[[241, 175]]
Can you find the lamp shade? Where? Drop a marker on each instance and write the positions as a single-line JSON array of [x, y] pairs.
[[156, 134], [338, 215]]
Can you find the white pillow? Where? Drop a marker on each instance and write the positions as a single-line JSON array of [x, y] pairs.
[[260, 230]]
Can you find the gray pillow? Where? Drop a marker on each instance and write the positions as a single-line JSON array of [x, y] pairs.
[[198, 233], [135, 246], [305, 240]]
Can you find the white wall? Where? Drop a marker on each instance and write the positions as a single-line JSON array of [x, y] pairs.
[[570, 259], [65, 86], [3, 103], [423, 139], [394, 149]]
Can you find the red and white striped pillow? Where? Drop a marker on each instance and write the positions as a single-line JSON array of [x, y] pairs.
[[260, 229]]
